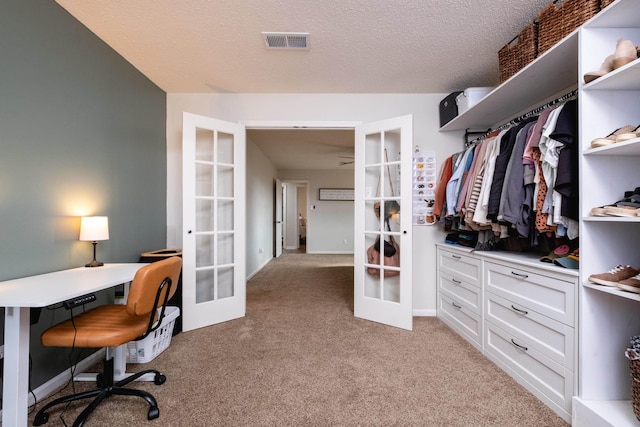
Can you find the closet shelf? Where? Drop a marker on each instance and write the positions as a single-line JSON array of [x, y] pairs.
[[549, 75], [611, 219], [613, 291], [625, 148], [624, 78]]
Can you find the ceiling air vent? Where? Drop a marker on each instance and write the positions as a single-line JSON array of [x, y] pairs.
[[286, 40]]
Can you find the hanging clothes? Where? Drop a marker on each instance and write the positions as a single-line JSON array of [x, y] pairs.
[[517, 182]]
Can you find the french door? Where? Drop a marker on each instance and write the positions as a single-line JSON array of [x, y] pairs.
[[213, 272], [383, 212]]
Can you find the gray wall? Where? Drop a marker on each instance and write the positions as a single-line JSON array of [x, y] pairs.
[[82, 132]]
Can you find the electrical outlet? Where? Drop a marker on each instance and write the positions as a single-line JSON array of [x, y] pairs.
[[344, 242]]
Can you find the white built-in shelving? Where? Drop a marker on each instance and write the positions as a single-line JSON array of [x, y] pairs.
[[608, 317]]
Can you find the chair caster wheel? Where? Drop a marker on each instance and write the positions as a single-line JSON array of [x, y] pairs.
[[41, 419], [154, 413], [159, 379]]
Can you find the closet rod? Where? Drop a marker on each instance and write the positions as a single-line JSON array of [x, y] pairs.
[[560, 100]]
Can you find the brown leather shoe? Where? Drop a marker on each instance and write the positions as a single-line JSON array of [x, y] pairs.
[[613, 276]]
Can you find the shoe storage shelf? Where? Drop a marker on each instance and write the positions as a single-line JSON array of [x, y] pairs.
[[518, 312], [607, 317]]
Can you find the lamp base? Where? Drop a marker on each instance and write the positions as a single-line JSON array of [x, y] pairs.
[[94, 263]]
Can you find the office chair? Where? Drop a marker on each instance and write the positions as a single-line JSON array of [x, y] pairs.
[[114, 325]]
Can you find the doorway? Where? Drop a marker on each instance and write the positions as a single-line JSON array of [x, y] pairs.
[[294, 216], [309, 156]]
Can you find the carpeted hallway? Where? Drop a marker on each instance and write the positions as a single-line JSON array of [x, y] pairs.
[[300, 358]]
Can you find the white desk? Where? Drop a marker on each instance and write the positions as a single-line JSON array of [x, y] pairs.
[[18, 296]]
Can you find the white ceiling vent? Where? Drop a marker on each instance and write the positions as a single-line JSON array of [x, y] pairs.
[[286, 40]]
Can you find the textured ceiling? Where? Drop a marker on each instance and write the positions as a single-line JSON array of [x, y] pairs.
[[305, 149], [357, 46]]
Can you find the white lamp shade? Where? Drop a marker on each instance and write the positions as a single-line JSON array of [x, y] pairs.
[[94, 228]]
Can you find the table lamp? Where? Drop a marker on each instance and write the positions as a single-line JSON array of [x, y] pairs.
[[92, 229]]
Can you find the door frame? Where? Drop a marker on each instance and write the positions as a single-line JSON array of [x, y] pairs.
[[296, 124], [286, 203]]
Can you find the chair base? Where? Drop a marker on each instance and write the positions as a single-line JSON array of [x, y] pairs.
[[106, 387]]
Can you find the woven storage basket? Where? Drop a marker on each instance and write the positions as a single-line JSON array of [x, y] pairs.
[[605, 3], [634, 367], [556, 21], [519, 52]]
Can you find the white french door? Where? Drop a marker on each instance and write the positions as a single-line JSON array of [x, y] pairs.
[[213, 173], [383, 293]]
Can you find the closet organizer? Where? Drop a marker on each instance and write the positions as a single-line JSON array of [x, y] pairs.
[[517, 186], [561, 337]]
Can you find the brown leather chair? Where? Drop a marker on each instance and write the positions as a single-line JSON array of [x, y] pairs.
[[114, 325]]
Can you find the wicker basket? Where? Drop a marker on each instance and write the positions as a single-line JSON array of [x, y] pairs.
[[556, 21], [605, 3], [519, 52], [634, 367]]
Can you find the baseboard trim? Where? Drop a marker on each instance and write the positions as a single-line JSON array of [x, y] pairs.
[[330, 252], [258, 269], [62, 378], [424, 313]]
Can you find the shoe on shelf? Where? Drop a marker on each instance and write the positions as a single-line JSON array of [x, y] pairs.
[[635, 133], [598, 211], [613, 276], [632, 284], [611, 138], [606, 67], [620, 210], [625, 53]]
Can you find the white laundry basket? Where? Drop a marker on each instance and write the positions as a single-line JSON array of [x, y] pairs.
[[145, 350]]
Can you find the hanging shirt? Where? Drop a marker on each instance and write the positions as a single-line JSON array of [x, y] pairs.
[[493, 150], [453, 186]]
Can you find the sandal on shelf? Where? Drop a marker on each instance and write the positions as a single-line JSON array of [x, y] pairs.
[[629, 135], [611, 138], [629, 206], [620, 211]]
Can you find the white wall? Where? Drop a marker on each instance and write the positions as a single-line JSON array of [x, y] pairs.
[[319, 107], [331, 222], [260, 210]]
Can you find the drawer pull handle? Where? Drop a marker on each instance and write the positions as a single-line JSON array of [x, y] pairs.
[[518, 345], [456, 257], [519, 310], [457, 282], [456, 305], [524, 276]]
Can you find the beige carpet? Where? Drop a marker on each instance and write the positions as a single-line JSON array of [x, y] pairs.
[[300, 358]]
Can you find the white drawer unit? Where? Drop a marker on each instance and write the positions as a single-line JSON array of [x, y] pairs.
[[529, 318], [551, 338], [467, 323], [548, 380], [462, 265], [549, 294], [460, 293], [519, 313]]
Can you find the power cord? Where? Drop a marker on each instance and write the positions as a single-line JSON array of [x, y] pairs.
[[72, 366]]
